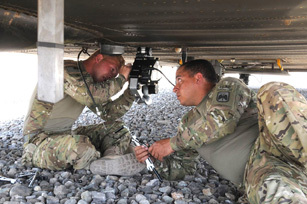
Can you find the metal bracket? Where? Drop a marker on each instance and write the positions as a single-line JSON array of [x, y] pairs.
[[50, 45]]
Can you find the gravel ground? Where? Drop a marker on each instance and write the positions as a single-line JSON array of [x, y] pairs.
[[149, 123]]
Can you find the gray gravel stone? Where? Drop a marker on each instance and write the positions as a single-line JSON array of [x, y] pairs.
[[37, 188], [109, 190], [4, 190], [112, 178], [186, 190], [68, 184], [12, 172], [230, 196], [20, 190], [167, 199], [97, 179], [140, 197], [60, 191], [182, 202], [2, 163], [121, 187], [153, 182], [125, 193], [144, 202], [212, 201], [82, 202], [147, 189], [99, 196], [65, 175], [86, 196], [182, 184], [152, 196], [110, 195], [52, 200], [166, 189], [53, 180], [122, 201], [71, 201]]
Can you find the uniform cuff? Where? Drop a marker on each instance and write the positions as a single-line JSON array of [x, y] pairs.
[[123, 79], [173, 144], [129, 95]]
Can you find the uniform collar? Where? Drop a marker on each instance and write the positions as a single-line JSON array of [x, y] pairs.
[[201, 107]]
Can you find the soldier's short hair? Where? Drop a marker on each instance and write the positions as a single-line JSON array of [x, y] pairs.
[[201, 66]]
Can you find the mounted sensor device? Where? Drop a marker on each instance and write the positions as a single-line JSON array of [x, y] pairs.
[[144, 75]]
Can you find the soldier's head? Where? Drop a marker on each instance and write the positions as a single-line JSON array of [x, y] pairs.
[[194, 80], [102, 67]]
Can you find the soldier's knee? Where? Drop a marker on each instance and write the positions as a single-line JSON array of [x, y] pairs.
[[64, 151], [276, 189], [271, 88]]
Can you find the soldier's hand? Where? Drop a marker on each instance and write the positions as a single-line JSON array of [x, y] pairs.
[[141, 153], [125, 70], [161, 149]]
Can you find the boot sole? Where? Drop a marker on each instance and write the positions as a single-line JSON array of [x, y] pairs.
[[121, 165]]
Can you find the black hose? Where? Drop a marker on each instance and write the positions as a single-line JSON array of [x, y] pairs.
[[84, 50]]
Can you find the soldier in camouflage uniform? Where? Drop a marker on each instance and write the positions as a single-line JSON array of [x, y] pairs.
[[49, 141], [256, 142]]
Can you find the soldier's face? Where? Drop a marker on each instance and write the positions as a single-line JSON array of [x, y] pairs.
[[185, 88], [105, 69]]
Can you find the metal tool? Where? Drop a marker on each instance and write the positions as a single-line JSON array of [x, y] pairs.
[[149, 164], [11, 180], [31, 177]]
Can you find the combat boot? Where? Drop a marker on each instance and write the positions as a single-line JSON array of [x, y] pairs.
[[114, 164]]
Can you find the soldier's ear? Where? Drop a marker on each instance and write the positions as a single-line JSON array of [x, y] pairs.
[[199, 77], [99, 57]]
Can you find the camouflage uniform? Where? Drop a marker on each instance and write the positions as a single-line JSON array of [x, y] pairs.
[[49, 141], [276, 171], [214, 118], [281, 143]]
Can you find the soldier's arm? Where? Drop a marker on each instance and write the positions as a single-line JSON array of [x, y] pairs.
[[177, 165], [220, 119], [101, 91], [217, 124], [174, 166], [117, 108]]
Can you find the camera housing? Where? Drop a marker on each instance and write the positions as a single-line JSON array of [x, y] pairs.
[[143, 77]]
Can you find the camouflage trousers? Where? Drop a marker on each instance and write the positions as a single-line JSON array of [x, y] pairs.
[[77, 149], [277, 169]]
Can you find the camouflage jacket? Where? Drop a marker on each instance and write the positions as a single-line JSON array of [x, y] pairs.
[[102, 92], [60, 116], [216, 116]]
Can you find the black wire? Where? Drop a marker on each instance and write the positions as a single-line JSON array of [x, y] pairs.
[[84, 50], [164, 76]]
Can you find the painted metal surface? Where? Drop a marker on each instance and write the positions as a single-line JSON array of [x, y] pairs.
[[213, 29]]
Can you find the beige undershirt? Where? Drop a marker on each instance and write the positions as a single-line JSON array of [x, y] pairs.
[[228, 155]]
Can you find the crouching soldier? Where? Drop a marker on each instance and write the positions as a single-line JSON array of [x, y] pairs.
[[104, 148]]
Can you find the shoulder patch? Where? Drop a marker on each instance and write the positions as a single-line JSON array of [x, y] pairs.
[[223, 96]]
